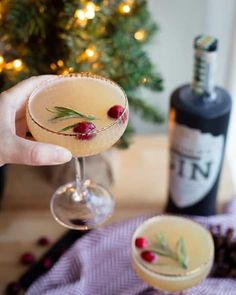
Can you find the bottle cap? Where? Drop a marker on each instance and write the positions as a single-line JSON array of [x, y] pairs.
[[206, 43]]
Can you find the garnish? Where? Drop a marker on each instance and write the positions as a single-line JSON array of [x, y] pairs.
[[66, 113], [68, 127], [162, 248], [181, 253], [149, 256], [85, 130], [116, 112], [141, 243], [27, 258]]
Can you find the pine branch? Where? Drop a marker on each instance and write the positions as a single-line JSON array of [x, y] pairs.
[[41, 32]]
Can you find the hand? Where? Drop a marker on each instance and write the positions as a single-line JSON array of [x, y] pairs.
[[14, 148]]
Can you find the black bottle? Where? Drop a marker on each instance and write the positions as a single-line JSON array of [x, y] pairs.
[[198, 122]]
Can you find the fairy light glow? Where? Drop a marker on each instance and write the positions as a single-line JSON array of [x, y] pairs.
[[90, 10], [90, 14], [80, 14], [140, 35], [124, 8], [17, 64], [60, 63], [1, 60], [53, 66], [90, 52]]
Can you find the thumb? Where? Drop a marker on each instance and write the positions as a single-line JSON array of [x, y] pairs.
[[37, 154]]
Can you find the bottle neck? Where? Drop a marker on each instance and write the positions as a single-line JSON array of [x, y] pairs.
[[203, 84]]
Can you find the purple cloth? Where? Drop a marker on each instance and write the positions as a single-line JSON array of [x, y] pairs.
[[100, 264]]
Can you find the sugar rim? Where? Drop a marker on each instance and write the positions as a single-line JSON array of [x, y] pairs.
[[76, 75]]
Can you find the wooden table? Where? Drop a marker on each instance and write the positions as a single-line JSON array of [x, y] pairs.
[[140, 187]]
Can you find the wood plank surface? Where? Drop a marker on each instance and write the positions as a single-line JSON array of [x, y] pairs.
[[140, 187]]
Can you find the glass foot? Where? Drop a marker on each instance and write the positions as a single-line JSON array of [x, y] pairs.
[[74, 212]]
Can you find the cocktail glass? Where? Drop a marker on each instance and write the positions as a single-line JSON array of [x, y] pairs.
[[81, 204], [167, 274]]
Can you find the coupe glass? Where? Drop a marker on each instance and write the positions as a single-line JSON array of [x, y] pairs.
[[81, 204], [166, 274]]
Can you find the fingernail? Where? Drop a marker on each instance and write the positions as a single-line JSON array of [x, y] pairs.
[[62, 155]]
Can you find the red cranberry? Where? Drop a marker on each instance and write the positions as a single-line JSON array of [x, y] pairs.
[[148, 256], [43, 241], [12, 288], [85, 130], [27, 258], [47, 263], [141, 243], [116, 111]]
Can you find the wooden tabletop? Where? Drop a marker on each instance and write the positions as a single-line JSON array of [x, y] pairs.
[[140, 187]]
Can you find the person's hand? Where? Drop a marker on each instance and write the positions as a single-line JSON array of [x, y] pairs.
[[14, 148]]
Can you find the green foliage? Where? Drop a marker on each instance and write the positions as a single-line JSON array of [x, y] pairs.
[[41, 32]]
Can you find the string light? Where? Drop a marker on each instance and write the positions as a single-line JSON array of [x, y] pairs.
[[60, 63], [89, 52], [91, 6], [83, 15], [65, 71], [79, 13], [124, 8], [1, 11], [144, 80], [140, 35], [90, 14], [96, 66], [1, 63], [9, 66], [17, 64], [71, 69], [1, 60], [81, 19], [53, 66], [90, 10]]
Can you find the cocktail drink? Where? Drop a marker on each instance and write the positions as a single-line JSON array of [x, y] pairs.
[[86, 114], [172, 253]]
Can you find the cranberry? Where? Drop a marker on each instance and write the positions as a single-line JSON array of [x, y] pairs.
[[27, 258], [141, 243], [47, 263], [13, 288], [116, 111], [85, 130], [43, 241], [148, 256]]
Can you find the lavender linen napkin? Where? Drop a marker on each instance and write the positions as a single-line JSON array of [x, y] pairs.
[[100, 264]]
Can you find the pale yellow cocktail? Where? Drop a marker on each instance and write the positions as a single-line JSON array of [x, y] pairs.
[[87, 94], [86, 114], [169, 274]]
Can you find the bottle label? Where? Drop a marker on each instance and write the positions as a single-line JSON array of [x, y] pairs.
[[194, 164]]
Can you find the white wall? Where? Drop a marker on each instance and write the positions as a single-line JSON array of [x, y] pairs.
[[172, 52], [172, 48]]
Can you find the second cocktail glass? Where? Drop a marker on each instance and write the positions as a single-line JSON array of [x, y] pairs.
[[86, 114]]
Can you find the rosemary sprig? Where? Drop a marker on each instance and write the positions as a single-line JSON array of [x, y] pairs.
[[68, 127], [66, 113], [179, 255]]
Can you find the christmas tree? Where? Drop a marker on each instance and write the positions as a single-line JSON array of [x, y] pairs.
[[106, 37]]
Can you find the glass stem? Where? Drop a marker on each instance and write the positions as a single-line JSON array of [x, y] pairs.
[[80, 179]]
